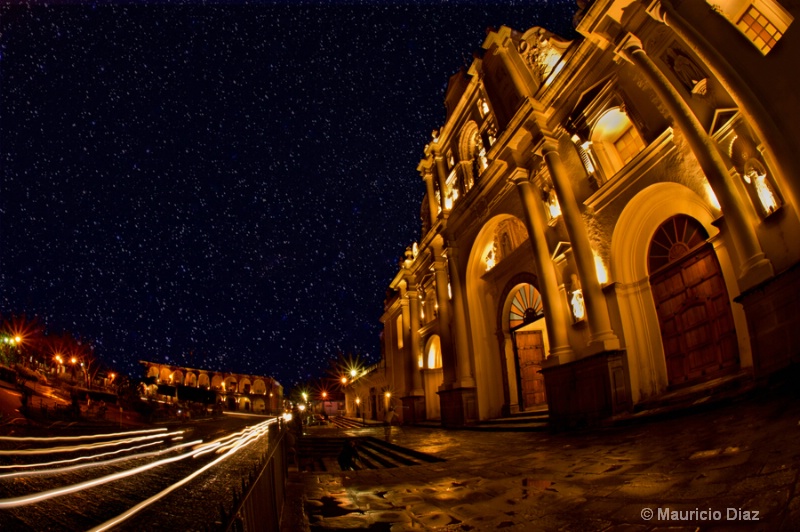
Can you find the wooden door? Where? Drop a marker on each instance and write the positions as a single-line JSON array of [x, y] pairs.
[[530, 353], [696, 322]]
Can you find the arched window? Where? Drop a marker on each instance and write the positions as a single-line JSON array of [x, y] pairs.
[[674, 239], [615, 141], [526, 307], [434, 354]]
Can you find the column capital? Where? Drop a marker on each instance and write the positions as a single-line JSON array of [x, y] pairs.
[[550, 145], [519, 176], [629, 44], [658, 10]]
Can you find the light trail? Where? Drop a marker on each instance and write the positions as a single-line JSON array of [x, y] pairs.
[[78, 438], [87, 447], [77, 467], [58, 492], [123, 516], [79, 458]]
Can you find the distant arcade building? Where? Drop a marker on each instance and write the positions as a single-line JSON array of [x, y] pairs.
[[607, 219], [234, 391]]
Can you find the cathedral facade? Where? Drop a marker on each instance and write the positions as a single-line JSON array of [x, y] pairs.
[[607, 219]]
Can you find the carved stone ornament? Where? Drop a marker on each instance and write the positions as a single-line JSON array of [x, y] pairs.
[[541, 51]]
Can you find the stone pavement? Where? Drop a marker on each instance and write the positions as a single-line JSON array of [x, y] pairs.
[[698, 471]]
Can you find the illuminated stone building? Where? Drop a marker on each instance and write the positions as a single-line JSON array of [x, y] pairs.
[[607, 219], [235, 391]]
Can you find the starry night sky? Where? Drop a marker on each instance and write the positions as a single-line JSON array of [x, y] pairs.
[[224, 186]]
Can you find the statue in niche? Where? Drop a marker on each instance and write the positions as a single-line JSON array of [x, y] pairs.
[[686, 70], [505, 245], [576, 299]]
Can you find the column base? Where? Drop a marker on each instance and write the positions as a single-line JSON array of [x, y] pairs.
[[586, 391], [413, 409], [560, 355], [603, 343], [459, 406], [755, 271], [773, 319]]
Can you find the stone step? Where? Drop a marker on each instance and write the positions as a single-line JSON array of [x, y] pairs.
[[518, 419], [321, 453]]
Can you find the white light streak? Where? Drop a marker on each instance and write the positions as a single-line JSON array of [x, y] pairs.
[[122, 517], [87, 447], [79, 458], [78, 438], [97, 464], [58, 492]]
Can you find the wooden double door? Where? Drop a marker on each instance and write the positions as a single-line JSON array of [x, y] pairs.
[[694, 313], [529, 349]]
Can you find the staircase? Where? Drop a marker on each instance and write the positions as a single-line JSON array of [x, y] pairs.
[[688, 399], [320, 454], [346, 422], [530, 421]]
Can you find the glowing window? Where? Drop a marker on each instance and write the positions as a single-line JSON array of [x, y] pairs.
[[763, 22], [615, 142], [628, 145], [435, 354], [759, 29]]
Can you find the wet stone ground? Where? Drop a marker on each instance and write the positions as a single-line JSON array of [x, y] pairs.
[[730, 462]]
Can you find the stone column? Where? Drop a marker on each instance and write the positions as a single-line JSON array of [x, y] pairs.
[[465, 377], [750, 105], [441, 176], [405, 352], [602, 337], [443, 317], [556, 320], [427, 176], [755, 267], [415, 382]]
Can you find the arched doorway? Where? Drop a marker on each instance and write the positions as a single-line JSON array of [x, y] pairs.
[[528, 344], [692, 303]]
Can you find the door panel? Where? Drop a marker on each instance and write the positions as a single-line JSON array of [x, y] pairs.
[[694, 313], [530, 350]]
